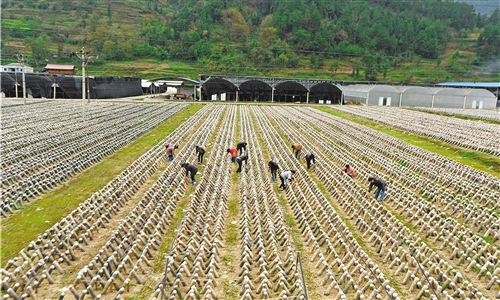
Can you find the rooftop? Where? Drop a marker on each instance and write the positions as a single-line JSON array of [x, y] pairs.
[[59, 67]]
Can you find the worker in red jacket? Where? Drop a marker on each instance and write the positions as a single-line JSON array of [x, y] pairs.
[[233, 152], [349, 170]]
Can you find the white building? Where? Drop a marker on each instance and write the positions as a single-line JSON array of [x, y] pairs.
[[16, 68]]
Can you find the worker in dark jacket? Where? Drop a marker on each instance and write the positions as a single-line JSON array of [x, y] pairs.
[[274, 167], [310, 158], [296, 148], [381, 187], [240, 159], [190, 169], [200, 151], [241, 146]]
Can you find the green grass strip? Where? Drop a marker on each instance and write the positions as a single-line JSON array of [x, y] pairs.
[[475, 159], [25, 225]]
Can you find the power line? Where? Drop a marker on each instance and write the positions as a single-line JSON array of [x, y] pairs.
[[257, 68]]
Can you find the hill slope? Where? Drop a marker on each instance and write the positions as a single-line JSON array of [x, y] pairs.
[[361, 40]]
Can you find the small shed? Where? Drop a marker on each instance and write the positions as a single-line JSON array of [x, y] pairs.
[[60, 69], [149, 87]]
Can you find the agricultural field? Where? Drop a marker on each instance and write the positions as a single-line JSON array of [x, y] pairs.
[[92, 208]]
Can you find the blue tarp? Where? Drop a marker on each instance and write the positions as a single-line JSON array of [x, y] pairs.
[[487, 85]]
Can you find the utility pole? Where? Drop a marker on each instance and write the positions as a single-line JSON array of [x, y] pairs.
[[82, 58], [20, 59], [85, 58], [17, 83]]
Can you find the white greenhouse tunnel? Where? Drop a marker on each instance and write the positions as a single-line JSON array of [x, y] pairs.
[[417, 96]]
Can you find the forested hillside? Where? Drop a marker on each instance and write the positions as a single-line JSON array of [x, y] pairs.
[[363, 39]]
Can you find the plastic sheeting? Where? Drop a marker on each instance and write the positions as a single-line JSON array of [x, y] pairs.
[[325, 91], [415, 96], [217, 86], [70, 87], [8, 84], [36, 86], [450, 98], [290, 91], [102, 87], [255, 90]]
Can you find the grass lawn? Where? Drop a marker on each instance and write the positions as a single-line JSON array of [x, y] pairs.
[[25, 225], [478, 160]]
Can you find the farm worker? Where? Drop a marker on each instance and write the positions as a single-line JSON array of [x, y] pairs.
[[200, 151], [170, 152], [381, 187], [274, 167], [190, 169], [241, 146], [296, 149], [310, 158], [233, 152], [240, 159], [285, 177], [348, 170], [168, 145]]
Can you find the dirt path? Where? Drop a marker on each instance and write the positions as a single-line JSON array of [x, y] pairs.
[[230, 253]]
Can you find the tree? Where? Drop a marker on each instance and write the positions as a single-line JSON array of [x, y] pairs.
[[427, 43], [438, 61], [370, 67], [39, 48], [317, 61], [283, 59], [334, 67], [489, 41], [112, 51], [109, 11], [300, 38], [238, 29]]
